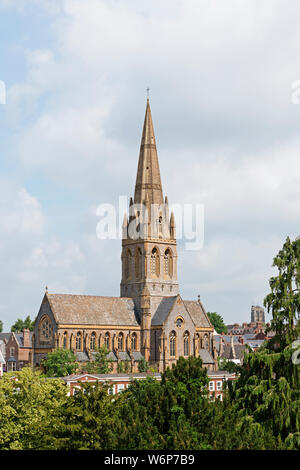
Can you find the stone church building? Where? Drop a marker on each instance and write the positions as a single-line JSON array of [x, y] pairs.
[[149, 319]]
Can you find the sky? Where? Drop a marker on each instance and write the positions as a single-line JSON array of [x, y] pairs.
[[221, 77]]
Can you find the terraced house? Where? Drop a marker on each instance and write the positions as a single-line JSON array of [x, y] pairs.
[[150, 319]]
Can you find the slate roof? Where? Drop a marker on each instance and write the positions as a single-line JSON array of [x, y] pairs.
[[123, 356], [194, 308], [5, 336], [81, 356], [20, 339], [163, 310], [206, 357], [88, 309], [239, 351], [197, 313]]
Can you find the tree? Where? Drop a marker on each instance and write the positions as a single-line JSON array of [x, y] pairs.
[[1, 326], [20, 325], [90, 420], [143, 365], [268, 390], [217, 322], [101, 363], [60, 363], [284, 300], [30, 409]]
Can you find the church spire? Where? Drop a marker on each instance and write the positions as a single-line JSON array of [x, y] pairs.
[[148, 181]]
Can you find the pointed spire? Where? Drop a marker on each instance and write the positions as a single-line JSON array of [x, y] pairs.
[[148, 179]]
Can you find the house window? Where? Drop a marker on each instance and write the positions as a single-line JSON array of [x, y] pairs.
[[11, 366], [219, 385], [211, 386], [186, 344], [111, 390], [120, 388], [11, 352], [173, 344]]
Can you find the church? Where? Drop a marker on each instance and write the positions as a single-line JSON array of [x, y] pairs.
[[150, 319]]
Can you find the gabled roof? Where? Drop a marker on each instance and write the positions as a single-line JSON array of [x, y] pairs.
[[20, 339], [5, 336], [206, 357], [194, 308], [163, 310], [197, 312], [88, 310]]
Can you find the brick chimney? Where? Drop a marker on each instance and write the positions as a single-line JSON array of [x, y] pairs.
[[241, 339], [26, 338]]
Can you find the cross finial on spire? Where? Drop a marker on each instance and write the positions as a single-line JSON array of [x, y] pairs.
[[148, 89]]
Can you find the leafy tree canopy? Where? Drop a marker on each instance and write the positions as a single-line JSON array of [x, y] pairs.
[[101, 363], [60, 363], [217, 322], [30, 409], [20, 325]]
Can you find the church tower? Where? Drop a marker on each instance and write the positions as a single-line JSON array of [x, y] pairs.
[[149, 254]]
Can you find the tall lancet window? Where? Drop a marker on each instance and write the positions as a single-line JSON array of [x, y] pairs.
[[138, 263], [128, 264], [93, 342], [168, 263], [173, 344], [155, 262], [78, 341], [121, 342], [134, 342], [186, 344]]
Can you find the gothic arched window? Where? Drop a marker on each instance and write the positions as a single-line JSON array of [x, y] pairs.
[[93, 342], [173, 344], [128, 264], [138, 263], [134, 342], [45, 329], [155, 262], [186, 344], [205, 342], [168, 263], [65, 339], [107, 340], [78, 341], [121, 342]]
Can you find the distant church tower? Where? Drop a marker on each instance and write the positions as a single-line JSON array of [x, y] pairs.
[[149, 253]]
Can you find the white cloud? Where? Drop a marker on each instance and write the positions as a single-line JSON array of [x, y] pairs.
[[220, 75]]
